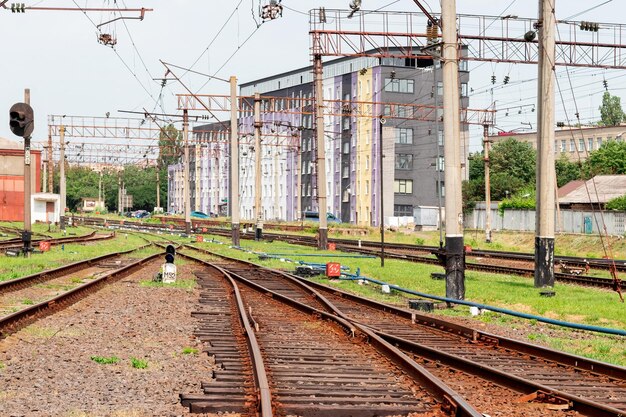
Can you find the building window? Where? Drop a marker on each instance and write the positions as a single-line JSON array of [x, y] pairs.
[[346, 123], [345, 172], [599, 143], [404, 161], [402, 210], [464, 90], [440, 137], [590, 144], [439, 88], [441, 164], [367, 162], [572, 145], [563, 146], [581, 144], [367, 187], [403, 187], [399, 86], [345, 196], [441, 187], [404, 136]]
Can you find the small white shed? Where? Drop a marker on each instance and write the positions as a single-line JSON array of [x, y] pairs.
[[46, 207]]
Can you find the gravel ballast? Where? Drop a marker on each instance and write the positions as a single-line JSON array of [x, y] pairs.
[[47, 369]]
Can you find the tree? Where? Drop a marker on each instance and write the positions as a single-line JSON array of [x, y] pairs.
[[514, 159], [170, 146], [611, 111], [610, 159], [566, 170]]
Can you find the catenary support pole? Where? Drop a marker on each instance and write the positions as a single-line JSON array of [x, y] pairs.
[[455, 260], [26, 236], [62, 202], [544, 234], [381, 123], [318, 73], [234, 162], [186, 167], [258, 154], [50, 162], [158, 185], [486, 144]]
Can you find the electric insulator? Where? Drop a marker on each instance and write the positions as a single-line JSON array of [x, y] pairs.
[[493, 79], [506, 79], [605, 84]]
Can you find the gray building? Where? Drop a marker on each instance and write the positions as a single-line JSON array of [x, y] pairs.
[[358, 93]]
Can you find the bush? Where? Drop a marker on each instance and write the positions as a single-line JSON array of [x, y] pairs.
[[618, 203], [524, 200]]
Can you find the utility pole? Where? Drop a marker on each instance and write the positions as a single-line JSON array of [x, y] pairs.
[[318, 73], [50, 162], [486, 144], [158, 190], [26, 238], [455, 260], [276, 183], [381, 123], [44, 175], [62, 202], [197, 158], [119, 194], [299, 181], [544, 235], [186, 167], [258, 234], [233, 202]]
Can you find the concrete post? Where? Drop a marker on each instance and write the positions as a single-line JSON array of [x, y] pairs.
[[62, 193], [258, 234], [544, 235], [233, 201], [186, 168], [455, 260], [318, 73], [486, 144]]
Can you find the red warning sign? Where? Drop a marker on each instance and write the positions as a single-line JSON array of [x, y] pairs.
[[333, 269]]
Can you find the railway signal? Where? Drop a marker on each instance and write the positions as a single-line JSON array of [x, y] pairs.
[[168, 269], [21, 120]]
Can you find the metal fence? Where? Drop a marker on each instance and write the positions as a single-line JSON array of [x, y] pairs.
[[567, 221]]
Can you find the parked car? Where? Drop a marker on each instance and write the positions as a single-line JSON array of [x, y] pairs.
[[200, 215], [142, 214], [314, 216]]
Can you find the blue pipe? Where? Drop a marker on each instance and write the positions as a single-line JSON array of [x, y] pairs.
[[598, 329]]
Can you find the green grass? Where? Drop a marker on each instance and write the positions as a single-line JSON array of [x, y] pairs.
[[15, 267], [189, 351], [105, 361], [572, 303], [185, 284], [138, 363]]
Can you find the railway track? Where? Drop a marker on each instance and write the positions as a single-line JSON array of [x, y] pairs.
[[304, 360], [535, 373], [22, 301], [16, 243], [408, 253]]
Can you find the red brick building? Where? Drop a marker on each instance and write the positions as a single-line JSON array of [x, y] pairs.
[[12, 179]]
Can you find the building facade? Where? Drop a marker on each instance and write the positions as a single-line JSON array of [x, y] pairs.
[[364, 99], [12, 179], [573, 142]]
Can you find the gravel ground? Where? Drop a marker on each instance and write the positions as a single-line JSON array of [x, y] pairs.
[[46, 369]]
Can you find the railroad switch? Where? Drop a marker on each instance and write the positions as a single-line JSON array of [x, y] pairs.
[[553, 402]]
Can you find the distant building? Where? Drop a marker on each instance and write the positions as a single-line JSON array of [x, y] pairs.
[[593, 193], [91, 204], [413, 149], [12, 179], [573, 142]]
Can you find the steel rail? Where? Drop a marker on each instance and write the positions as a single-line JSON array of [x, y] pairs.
[[48, 274], [260, 374], [453, 403], [15, 321], [523, 385]]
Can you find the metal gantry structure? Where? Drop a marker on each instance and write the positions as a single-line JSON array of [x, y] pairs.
[[509, 39]]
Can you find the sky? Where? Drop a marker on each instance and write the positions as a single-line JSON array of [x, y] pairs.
[[57, 56]]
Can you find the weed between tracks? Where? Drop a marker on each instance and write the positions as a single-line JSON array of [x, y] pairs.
[[105, 361], [138, 363], [185, 284], [572, 303]]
